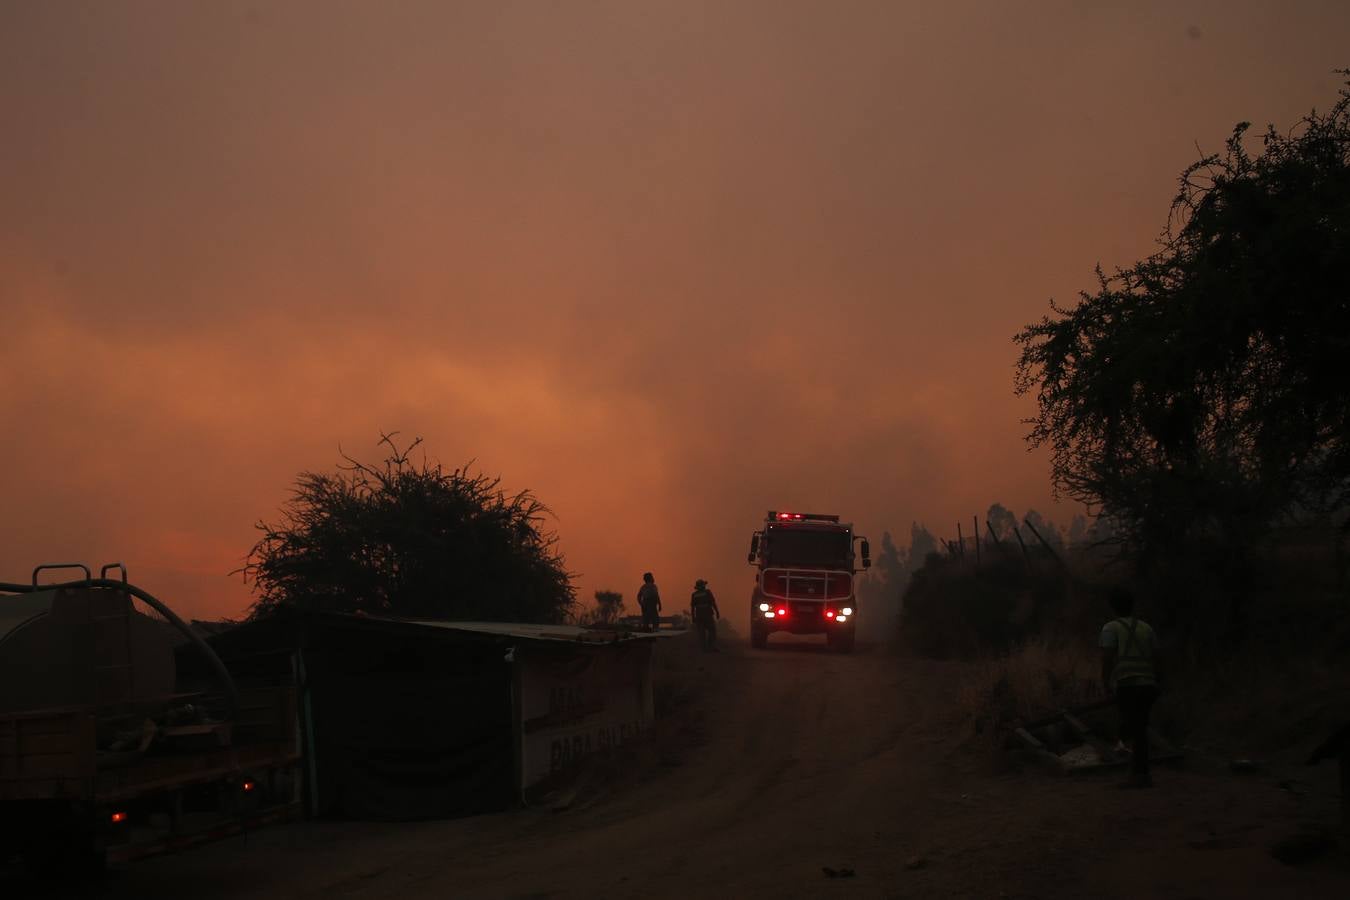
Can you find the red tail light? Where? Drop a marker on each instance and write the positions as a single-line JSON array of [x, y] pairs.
[[118, 818], [782, 611], [248, 786]]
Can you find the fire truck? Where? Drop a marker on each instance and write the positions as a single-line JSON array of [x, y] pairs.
[[804, 580]]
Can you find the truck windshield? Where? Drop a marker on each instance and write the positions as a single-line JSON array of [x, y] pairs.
[[803, 547]]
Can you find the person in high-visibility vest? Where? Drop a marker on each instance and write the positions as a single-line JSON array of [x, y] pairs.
[[703, 608], [1130, 672]]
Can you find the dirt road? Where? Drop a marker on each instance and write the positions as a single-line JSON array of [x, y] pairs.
[[787, 762]]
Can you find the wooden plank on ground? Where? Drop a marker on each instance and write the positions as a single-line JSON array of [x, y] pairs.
[[1109, 755], [1036, 747]]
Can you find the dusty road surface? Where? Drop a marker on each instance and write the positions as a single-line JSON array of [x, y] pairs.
[[776, 766]]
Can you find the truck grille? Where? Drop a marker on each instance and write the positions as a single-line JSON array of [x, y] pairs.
[[785, 583]]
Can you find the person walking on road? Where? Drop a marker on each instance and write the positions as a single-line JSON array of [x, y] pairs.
[[703, 608], [649, 601], [1130, 672]]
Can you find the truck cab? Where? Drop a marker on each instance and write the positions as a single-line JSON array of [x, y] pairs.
[[805, 577]]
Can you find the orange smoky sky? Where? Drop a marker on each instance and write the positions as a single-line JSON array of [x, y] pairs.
[[667, 264]]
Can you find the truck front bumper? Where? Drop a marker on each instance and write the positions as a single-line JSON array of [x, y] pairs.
[[801, 617]]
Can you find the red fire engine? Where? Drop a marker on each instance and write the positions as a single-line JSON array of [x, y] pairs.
[[805, 580]]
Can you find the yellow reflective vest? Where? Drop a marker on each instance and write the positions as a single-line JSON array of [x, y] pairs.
[[1134, 652]]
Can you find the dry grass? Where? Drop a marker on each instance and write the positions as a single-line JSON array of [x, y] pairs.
[[1039, 677], [1260, 667], [1262, 701]]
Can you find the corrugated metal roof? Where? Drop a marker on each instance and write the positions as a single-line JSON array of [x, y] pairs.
[[520, 631], [524, 631]]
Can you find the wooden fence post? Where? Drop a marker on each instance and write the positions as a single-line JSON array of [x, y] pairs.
[[1044, 542], [993, 537]]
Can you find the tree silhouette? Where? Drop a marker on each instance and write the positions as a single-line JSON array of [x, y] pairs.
[[890, 562], [921, 543], [1047, 529], [1001, 521], [608, 609], [1205, 391], [889, 571], [413, 540], [1078, 530]]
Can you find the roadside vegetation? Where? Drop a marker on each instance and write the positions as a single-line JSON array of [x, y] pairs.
[[1027, 624], [409, 538], [608, 609], [1198, 403]]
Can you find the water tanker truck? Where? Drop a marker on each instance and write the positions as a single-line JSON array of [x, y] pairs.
[[106, 753]]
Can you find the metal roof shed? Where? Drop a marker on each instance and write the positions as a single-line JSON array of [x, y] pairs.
[[405, 719]]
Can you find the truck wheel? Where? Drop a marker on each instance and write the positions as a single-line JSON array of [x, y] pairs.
[[759, 638]]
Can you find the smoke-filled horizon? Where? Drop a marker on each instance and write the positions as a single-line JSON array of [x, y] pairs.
[[667, 265]]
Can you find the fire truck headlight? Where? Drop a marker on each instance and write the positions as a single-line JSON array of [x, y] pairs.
[[846, 611], [764, 607]]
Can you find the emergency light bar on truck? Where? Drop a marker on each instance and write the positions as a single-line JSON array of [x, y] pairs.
[[800, 517]]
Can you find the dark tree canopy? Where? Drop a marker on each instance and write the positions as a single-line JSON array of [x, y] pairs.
[[921, 544], [1206, 390], [1048, 530], [413, 540], [1001, 521]]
